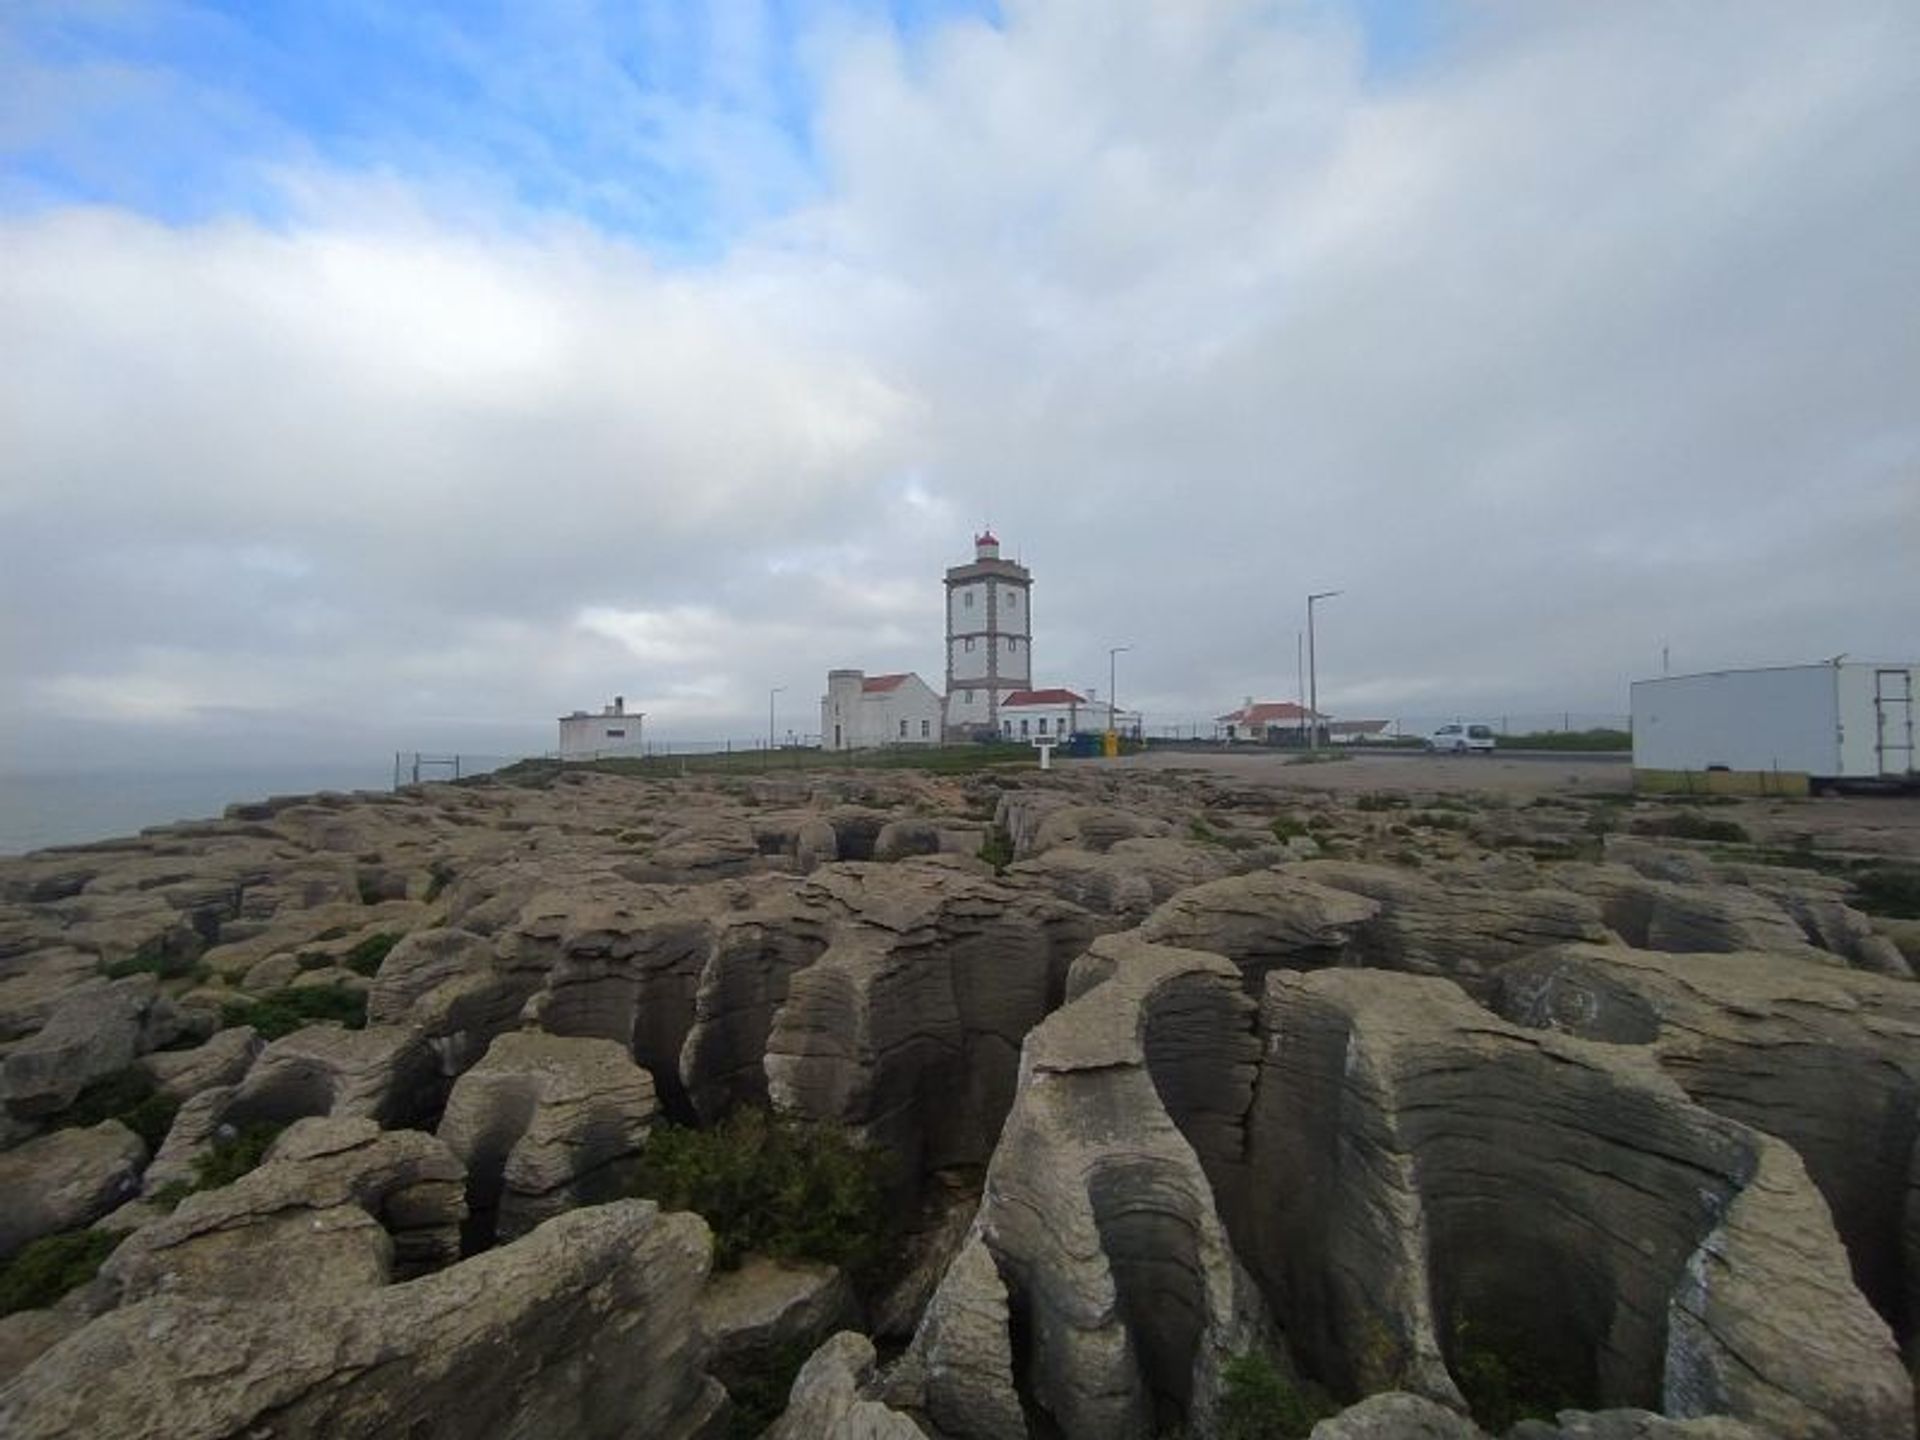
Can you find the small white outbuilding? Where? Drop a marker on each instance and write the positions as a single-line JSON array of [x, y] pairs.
[[862, 711], [1841, 720], [614, 731]]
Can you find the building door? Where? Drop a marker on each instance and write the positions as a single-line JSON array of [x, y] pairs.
[[1893, 720], [836, 737]]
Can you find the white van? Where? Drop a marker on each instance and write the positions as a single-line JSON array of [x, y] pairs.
[[1461, 739]]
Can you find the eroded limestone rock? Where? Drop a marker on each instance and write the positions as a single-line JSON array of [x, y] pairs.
[[545, 1123]]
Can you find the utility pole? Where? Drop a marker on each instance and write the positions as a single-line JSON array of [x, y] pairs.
[[1300, 680], [1313, 674], [1113, 702], [770, 694]]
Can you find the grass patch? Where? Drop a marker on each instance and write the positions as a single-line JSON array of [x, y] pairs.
[[286, 1011], [365, 958], [960, 759], [40, 1273], [1600, 738], [773, 1187], [129, 1096], [439, 875], [1319, 757], [1438, 820], [1686, 825], [1258, 1403]]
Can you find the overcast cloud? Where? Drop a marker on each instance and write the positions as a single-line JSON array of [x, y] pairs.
[[1551, 335]]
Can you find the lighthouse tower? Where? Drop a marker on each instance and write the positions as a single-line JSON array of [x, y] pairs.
[[989, 632]]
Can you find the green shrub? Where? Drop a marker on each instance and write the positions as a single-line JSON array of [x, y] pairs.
[[285, 1011], [760, 1397], [1888, 891], [772, 1186], [365, 957], [439, 875], [155, 957], [229, 1159], [40, 1273], [997, 849], [1286, 828], [1686, 825], [128, 1096], [1382, 800], [1505, 1379], [1437, 820], [1258, 1403]]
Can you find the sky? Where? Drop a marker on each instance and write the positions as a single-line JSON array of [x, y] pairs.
[[404, 375]]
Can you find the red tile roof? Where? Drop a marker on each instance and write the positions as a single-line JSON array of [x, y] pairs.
[[880, 684], [1267, 712], [1042, 697]]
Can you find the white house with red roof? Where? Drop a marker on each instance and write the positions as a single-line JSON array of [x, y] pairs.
[[1057, 712], [1266, 722], [862, 711]]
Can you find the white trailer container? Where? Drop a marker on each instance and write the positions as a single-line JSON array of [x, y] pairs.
[[1845, 720]]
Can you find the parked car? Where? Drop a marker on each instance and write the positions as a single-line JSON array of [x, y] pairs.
[[1461, 739]]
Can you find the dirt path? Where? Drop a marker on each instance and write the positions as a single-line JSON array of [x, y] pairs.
[[1396, 770]]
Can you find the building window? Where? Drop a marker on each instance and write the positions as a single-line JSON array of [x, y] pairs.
[[966, 697], [1013, 643], [1023, 729], [616, 734], [967, 598], [903, 729], [1043, 724], [925, 729], [1013, 598], [1007, 726], [969, 645]]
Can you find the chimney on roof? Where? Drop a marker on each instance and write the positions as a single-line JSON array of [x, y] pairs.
[[619, 704]]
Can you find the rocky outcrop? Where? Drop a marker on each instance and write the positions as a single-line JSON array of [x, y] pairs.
[[543, 1124], [908, 1025], [1453, 923], [337, 1204], [96, 1031], [65, 1180], [579, 1329], [1396, 1416], [223, 1060], [1557, 1202], [1123, 1298], [1826, 1059], [827, 1400], [385, 1072], [1130, 878], [766, 1307], [1264, 921]]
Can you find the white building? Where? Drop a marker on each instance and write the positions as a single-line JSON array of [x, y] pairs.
[[862, 711], [989, 637], [1055, 713], [612, 732]]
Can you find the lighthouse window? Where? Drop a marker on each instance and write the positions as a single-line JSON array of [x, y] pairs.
[[967, 697], [967, 598], [969, 644], [1013, 599]]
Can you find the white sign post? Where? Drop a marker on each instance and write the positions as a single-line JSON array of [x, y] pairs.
[[1045, 747]]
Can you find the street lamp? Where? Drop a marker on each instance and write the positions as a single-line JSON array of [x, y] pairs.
[[770, 694], [1313, 679], [1113, 702]]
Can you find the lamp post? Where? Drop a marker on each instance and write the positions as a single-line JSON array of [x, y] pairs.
[[1313, 678], [770, 694], [1113, 703]]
